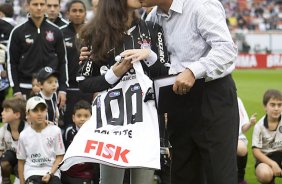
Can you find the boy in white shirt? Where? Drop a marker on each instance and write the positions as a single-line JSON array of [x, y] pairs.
[[13, 115], [40, 148], [267, 139]]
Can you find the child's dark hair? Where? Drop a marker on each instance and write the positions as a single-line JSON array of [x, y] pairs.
[[16, 104], [82, 104], [271, 93]]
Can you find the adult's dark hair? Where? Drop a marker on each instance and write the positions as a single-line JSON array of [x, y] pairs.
[[271, 94], [69, 4], [82, 104], [7, 9], [106, 29]]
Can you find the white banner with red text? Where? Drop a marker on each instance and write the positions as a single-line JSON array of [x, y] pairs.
[[259, 61], [123, 130]]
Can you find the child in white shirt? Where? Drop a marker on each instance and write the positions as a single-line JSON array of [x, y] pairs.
[[40, 148]]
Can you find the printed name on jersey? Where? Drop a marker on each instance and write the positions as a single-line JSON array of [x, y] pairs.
[[161, 47], [130, 75]]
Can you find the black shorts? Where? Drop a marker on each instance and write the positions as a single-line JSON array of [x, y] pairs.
[[11, 157], [276, 156], [36, 179]]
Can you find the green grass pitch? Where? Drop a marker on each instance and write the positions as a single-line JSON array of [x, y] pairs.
[[251, 84]]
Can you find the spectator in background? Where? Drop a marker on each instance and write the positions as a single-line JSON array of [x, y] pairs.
[[33, 45], [91, 13], [76, 13], [267, 139], [53, 13], [6, 14], [48, 82], [6, 25]]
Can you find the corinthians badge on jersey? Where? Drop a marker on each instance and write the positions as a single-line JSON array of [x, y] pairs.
[[49, 36]]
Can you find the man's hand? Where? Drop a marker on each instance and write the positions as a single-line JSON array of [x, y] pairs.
[[184, 82], [62, 98]]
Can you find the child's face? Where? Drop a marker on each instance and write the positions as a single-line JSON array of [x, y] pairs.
[[38, 114], [50, 85], [8, 115], [35, 86], [80, 117], [273, 108]]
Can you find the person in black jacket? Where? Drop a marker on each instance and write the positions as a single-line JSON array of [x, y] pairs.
[[53, 12], [33, 45], [116, 33], [6, 26], [76, 13]]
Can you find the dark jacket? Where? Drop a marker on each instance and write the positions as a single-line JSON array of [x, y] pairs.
[[60, 21], [143, 32], [5, 30], [81, 170], [33, 48], [72, 53]]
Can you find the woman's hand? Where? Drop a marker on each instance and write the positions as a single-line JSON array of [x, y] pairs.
[[121, 67], [135, 54], [84, 54]]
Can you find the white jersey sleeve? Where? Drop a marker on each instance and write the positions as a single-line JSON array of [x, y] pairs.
[[244, 118], [59, 146], [21, 152], [257, 135], [2, 142]]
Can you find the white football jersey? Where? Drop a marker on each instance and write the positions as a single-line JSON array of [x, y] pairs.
[[39, 150], [6, 140], [266, 140]]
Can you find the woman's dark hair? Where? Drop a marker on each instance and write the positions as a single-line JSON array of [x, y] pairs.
[[105, 30]]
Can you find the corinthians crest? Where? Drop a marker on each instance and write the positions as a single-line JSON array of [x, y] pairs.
[[49, 36]]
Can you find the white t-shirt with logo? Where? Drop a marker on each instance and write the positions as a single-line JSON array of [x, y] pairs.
[[264, 139], [39, 150], [6, 140]]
